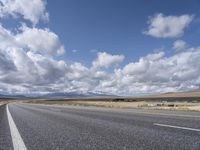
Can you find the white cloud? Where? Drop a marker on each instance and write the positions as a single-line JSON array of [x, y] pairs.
[[143, 64], [179, 45], [40, 40], [161, 26], [25, 69], [74, 50], [164, 74], [29, 62], [106, 60], [29, 68], [78, 71], [6, 38], [33, 10], [6, 64], [23, 62]]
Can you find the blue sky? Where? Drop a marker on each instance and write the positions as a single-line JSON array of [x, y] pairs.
[[115, 26], [116, 47]]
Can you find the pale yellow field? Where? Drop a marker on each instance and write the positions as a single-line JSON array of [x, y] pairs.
[[4, 102], [140, 104], [1, 103]]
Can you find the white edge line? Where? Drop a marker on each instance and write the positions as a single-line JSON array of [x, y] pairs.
[[178, 127], [18, 143]]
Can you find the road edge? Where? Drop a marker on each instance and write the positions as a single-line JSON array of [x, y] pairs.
[[18, 143]]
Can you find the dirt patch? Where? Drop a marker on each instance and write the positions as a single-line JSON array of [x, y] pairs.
[[3, 102]]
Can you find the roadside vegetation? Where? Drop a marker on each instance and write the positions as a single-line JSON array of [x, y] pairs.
[[2, 102], [193, 105]]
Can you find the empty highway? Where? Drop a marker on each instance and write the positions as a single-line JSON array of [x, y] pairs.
[[39, 127]]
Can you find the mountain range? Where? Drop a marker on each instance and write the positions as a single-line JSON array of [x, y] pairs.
[[56, 95]]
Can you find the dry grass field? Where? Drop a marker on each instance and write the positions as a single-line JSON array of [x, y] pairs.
[[3, 102], [189, 101], [183, 105]]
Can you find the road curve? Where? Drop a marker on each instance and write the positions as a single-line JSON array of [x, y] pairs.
[[60, 128]]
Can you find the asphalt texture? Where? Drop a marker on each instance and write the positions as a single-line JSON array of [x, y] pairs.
[[5, 137], [87, 128]]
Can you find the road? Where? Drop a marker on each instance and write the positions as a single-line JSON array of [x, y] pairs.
[[41, 127]]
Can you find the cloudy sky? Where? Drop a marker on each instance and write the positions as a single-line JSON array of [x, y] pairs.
[[116, 46]]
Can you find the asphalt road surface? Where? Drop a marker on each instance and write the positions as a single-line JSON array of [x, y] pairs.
[[38, 127]]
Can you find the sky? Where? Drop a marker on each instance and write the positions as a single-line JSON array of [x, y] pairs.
[[114, 47]]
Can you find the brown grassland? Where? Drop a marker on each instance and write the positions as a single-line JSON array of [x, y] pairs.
[[188, 101]]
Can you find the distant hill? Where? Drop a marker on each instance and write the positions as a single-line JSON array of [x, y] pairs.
[[193, 93], [6, 96], [73, 95], [60, 95], [56, 95]]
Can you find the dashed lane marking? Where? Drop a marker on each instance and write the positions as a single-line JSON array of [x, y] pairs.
[[18, 143]]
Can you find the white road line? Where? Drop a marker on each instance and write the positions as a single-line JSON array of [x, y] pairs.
[[178, 127], [18, 143]]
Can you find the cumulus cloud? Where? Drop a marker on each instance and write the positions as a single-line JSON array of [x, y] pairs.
[[6, 64], [161, 26], [47, 42], [179, 45], [163, 74], [29, 62], [32, 11], [106, 60], [27, 69], [6, 38], [143, 64]]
